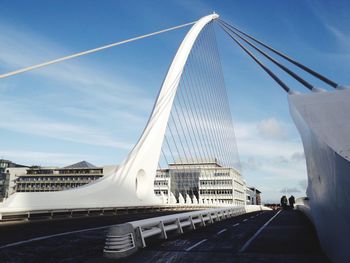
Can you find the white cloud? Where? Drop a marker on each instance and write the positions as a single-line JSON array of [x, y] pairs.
[[250, 164], [65, 131], [272, 129], [283, 173], [268, 162], [21, 120], [252, 142], [298, 156]]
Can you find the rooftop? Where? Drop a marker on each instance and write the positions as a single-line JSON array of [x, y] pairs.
[[82, 164], [213, 161], [255, 189]]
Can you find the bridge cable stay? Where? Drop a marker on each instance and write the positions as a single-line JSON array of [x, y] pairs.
[[296, 63], [229, 129], [83, 53], [200, 128], [267, 70], [284, 68]]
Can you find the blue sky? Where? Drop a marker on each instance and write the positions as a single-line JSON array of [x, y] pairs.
[[95, 107]]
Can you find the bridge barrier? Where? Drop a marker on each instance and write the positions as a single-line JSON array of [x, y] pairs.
[[125, 239], [98, 211]]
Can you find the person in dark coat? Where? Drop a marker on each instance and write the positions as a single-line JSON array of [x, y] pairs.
[[284, 202], [291, 201]]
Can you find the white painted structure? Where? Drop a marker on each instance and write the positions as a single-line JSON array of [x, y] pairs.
[[323, 120], [132, 183]]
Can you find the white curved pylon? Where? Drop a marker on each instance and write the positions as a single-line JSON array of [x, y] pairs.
[[132, 183]]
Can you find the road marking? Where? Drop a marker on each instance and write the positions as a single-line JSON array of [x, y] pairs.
[[195, 245], [245, 220], [236, 224], [252, 216], [257, 233], [50, 236], [222, 231]]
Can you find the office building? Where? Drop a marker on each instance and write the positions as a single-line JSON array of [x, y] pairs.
[[253, 196], [204, 182], [48, 179]]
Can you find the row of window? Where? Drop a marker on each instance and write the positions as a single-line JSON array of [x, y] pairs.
[[97, 171], [21, 188], [162, 175], [54, 183], [56, 179], [238, 183], [222, 174], [40, 172], [160, 183], [216, 182], [50, 171], [158, 192], [216, 192]]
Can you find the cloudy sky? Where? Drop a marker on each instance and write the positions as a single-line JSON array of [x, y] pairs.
[[94, 108]]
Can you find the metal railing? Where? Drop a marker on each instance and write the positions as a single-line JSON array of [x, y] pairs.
[[97, 211], [125, 239]]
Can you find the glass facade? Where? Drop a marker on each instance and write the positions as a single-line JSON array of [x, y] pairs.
[[184, 182]]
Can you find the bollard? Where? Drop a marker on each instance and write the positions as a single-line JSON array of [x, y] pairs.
[[120, 241]]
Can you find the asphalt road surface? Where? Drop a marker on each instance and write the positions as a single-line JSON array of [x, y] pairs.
[[257, 237]]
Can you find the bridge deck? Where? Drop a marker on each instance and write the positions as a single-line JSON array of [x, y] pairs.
[[289, 237]]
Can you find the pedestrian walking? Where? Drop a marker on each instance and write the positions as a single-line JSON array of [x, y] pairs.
[[291, 201]]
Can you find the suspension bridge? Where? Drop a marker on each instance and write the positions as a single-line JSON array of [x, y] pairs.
[[191, 123]]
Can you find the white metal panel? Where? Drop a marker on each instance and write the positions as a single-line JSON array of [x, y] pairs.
[[323, 120]]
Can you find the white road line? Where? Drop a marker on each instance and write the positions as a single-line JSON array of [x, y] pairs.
[[236, 224], [257, 233], [245, 220], [222, 231], [195, 245], [50, 236]]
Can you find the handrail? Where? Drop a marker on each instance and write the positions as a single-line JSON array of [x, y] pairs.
[[118, 246], [75, 211]]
